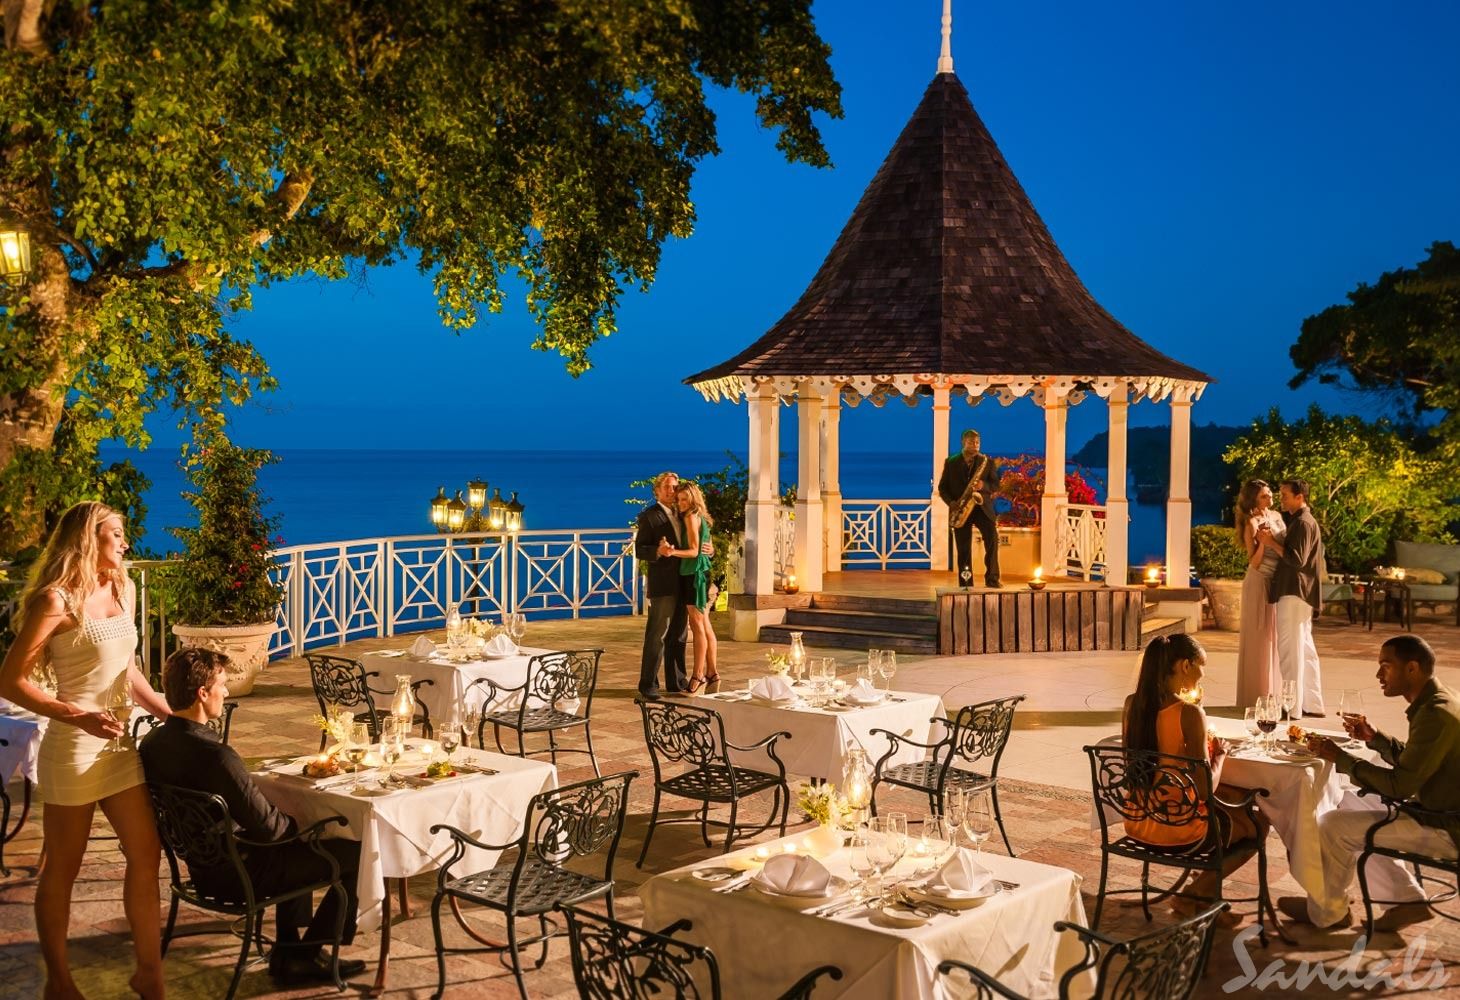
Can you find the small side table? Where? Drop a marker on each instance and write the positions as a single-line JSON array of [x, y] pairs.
[[1390, 593]]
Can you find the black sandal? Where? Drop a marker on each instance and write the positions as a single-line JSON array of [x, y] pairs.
[[712, 684]]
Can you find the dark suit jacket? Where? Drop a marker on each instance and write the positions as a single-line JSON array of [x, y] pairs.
[[1297, 569], [652, 525], [180, 752], [955, 477]]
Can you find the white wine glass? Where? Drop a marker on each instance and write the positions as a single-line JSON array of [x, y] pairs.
[[1351, 704], [889, 842], [1249, 722], [119, 706], [391, 739], [859, 856], [517, 626], [888, 668], [357, 748], [978, 816], [470, 719], [955, 802], [1290, 698]]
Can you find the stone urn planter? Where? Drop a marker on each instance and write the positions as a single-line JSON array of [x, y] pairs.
[[246, 646], [1226, 598]]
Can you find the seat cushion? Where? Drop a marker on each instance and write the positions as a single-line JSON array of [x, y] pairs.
[[1429, 555], [712, 783], [1433, 591], [541, 887]]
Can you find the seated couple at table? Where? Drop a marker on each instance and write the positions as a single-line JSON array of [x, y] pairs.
[[1424, 769], [1157, 717], [185, 753]]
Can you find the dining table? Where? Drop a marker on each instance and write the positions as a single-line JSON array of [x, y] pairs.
[[487, 798], [822, 735], [763, 945], [20, 745], [451, 679]]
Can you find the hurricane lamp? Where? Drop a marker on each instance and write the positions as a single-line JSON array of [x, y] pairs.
[[440, 510], [514, 513], [14, 252], [476, 494], [455, 513]]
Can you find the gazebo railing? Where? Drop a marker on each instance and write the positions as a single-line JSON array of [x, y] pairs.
[[883, 533], [1081, 540]]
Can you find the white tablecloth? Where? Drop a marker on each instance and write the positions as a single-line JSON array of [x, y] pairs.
[[450, 680], [763, 946], [23, 733], [820, 738], [394, 830]]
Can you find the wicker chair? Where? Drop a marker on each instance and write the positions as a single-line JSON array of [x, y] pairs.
[[146, 722], [195, 828], [1166, 964], [1451, 866], [552, 678], [561, 825], [686, 734], [339, 680], [1145, 785], [617, 961], [978, 733]]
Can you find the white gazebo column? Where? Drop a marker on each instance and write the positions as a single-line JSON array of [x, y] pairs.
[[938, 525], [763, 487], [1178, 500], [831, 487], [1054, 496], [1117, 506], [810, 530]]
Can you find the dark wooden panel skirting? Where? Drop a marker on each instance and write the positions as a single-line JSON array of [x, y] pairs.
[[1063, 619]]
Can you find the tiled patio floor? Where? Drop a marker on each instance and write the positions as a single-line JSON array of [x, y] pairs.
[[1073, 700]]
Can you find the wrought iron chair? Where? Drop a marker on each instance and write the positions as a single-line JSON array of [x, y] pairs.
[[1427, 817], [6, 833], [196, 829], [613, 960], [978, 733], [146, 722], [561, 825], [1166, 789], [552, 678], [695, 736], [339, 680], [1167, 963]]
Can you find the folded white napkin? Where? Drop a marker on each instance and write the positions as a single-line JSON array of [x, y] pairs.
[[960, 875], [501, 645], [773, 688], [795, 875], [422, 647], [864, 693]]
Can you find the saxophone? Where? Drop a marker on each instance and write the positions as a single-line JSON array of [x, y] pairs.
[[971, 498]]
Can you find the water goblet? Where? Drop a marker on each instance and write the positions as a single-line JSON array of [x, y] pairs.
[[391, 741], [1351, 704], [1289, 698], [888, 667], [890, 841], [955, 802], [470, 719], [978, 816], [931, 845], [450, 738], [860, 860], [517, 626], [357, 747], [1249, 721]]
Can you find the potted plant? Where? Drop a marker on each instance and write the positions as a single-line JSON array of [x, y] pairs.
[[224, 597], [1216, 554]]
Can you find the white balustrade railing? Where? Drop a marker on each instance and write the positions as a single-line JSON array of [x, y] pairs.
[[1080, 541], [785, 547], [885, 533]]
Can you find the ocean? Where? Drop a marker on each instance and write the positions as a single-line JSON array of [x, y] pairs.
[[331, 495]]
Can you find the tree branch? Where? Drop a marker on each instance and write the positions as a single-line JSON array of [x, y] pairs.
[[289, 195], [23, 26]]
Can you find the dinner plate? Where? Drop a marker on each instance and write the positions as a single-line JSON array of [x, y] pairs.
[[898, 916], [835, 889], [960, 901], [787, 703]]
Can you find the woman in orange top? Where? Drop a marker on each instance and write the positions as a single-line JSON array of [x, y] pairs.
[[1157, 718]]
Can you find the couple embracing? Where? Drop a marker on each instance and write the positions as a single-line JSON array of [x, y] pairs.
[[672, 537]]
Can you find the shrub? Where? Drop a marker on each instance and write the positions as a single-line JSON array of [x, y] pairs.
[[1021, 488], [1216, 551]]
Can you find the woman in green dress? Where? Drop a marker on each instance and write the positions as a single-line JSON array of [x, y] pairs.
[[694, 570]]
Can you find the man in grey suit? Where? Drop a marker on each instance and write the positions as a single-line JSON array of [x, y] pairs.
[[1297, 590]]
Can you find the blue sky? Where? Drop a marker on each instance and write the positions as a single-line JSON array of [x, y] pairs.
[[1214, 173]]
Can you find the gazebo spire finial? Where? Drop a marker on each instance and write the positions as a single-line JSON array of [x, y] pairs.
[[945, 57]]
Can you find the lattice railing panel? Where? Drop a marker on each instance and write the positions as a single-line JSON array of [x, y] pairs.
[[883, 533]]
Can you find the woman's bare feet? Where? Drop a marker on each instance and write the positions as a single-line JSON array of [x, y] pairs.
[[148, 983], [62, 991]]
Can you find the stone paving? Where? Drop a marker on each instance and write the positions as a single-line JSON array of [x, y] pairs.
[[1047, 822]]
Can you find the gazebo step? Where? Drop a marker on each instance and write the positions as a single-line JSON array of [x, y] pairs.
[[879, 605], [839, 638], [1151, 627], [864, 621]]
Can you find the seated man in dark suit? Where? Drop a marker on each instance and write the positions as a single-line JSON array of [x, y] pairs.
[[185, 753]]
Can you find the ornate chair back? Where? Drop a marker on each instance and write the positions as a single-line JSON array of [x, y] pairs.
[[195, 828], [980, 732], [1149, 786], [617, 961], [147, 722], [339, 680], [570, 675], [1167, 963], [683, 734]]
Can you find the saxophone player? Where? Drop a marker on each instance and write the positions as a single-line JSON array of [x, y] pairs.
[[968, 485]]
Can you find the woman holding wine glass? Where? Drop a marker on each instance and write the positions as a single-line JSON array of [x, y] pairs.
[[1157, 718], [75, 618], [1257, 650]]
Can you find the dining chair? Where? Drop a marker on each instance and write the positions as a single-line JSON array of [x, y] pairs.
[[561, 826], [686, 734], [552, 680], [1166, 789], [1167, 963], [1443, 819], [146, 722], [613, 960], [197, 830], [978, 733], [339, 680]]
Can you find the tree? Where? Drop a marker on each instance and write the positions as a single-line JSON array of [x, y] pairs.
[[1398, 339], [170, 156], [1370, 487]]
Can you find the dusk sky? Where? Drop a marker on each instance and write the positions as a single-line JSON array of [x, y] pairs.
[[1214, 173]]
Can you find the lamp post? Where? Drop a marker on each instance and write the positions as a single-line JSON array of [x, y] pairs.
[[14, 252], [474, 513], [497, 518], [514, 513], [456, 513], [440, 511]]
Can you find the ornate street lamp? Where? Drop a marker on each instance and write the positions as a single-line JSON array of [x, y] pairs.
[[497, 519], [14, 252], [456, 513], [514, 513], [474, 513], [476, 495], [440, 510]]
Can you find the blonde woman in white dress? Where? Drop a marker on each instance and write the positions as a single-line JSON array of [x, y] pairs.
[[1257, 650], [76, 615]]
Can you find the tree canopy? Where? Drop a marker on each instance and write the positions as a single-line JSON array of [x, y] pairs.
[[170, 156], [1398, 338]]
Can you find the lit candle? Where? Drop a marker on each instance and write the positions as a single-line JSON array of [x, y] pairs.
[[789, 848], [1153, 576], [1399, 574], [761, 853], [1039, 572], [791, 585]]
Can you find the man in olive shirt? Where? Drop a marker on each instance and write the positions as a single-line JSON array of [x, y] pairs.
[[1425, 770]]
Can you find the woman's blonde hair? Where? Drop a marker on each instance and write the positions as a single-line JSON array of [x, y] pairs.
[[697, 499], [68, 562]]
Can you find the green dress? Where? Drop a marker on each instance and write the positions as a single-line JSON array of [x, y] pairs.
[[699, 567]]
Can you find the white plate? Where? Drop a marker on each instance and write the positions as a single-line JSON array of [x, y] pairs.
[[489, 655], [789, 703], [897, 916], [961, 901], [835, 889]]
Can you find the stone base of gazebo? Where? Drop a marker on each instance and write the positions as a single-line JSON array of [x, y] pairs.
[[1058, 618]]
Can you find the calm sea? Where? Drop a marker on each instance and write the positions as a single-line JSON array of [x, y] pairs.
[[331, 495]]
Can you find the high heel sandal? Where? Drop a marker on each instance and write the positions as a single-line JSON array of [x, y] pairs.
[[694, 686], [712, 684]]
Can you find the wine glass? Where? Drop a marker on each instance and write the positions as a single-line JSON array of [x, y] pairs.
[[1267, 716], [450, 737], [391, 739], [888, 667], [1351, 704], [955, 802], [119, 705], [859, 852], [889, 841], [1249, 720], [517, 626], [357, 747], [869, 669], [932, 844], [1290, 698], [978, 816], [470, 719]]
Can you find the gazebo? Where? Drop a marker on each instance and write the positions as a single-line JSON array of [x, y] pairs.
[[945, 283]]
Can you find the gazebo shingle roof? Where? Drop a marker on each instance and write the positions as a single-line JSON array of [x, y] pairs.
[[945, 267]]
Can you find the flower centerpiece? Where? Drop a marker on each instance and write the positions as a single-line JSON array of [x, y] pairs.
[[779, 662], [337, 727], [827, 809], [225, 598]]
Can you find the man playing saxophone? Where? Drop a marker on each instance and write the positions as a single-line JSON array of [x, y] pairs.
[[968, 485]]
